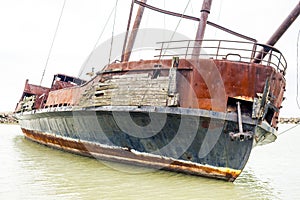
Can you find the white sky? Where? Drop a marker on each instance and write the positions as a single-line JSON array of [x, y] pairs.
[[27, 29]]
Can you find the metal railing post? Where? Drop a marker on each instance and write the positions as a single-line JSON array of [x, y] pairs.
[[187, 49], [219, 44], [253, 51]]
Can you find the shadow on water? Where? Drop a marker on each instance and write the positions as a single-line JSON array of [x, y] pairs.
[[45, 173]]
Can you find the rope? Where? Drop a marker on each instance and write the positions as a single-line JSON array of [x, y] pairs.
[[113, 32], [180, 20], [219, 15], [181, 17], [164, 19], [192, 10], [297, 85], [55, 33], [288, 129], [98, 39]]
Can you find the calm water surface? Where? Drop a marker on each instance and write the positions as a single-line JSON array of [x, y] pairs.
[[32, 171]]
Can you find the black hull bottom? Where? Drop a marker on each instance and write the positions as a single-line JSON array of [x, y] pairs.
[[191, 143], [127, 157]]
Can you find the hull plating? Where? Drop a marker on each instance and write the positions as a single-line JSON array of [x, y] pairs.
[[181, 141]]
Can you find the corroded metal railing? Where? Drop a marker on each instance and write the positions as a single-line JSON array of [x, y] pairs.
[[239, 51]]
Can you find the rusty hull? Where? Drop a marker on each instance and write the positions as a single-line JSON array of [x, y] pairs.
[[239, 79], [127, 156], [206, 84], [31, 89]]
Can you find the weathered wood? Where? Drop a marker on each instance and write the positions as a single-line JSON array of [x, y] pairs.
[[128, 90], [133, 90]]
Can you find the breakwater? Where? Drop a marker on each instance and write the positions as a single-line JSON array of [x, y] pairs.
[[289, 120], [7, 118]]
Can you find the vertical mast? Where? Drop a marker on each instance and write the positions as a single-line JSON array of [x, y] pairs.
[[136, 25], [201, 27], [127, 30]]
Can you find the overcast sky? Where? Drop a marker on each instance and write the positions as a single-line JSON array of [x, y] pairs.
[[28, 26]]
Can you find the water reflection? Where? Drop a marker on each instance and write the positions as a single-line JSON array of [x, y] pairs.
[[253, 187], [44, 173]]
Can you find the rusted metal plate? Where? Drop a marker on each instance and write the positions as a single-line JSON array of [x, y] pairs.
[[40, 93], [69, 96], [238, 79], [205, 84]]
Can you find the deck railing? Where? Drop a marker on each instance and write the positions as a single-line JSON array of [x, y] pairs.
[[239, 51]]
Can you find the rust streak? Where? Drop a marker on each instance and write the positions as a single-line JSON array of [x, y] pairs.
[[130, 157]]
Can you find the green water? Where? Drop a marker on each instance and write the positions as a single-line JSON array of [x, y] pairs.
[[32, 171]]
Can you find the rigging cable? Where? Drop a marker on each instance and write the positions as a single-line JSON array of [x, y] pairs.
[[98, 39], [55, 33], [288, 129], [192, 10], [219, 15], [181, 17], [113, 32], [164, 20], [297, 84]]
